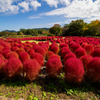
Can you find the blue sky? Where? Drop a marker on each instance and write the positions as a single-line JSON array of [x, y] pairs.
[[16, 14]]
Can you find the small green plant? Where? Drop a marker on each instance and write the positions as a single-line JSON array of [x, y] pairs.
[[35, 98], [51, 98], [0, 94], [69, 92], [30, 97], [44, 94]]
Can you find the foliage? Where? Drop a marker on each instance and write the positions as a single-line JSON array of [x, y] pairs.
[[94, 28], [56, 29], [76, 27]]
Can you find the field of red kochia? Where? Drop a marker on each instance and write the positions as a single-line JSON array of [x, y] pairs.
[[78, 56]]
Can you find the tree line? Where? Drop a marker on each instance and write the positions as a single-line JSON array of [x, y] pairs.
[[74, 28]]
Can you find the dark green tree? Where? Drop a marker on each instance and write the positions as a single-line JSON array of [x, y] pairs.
[[76, 28], [56, 30], [94, 28]]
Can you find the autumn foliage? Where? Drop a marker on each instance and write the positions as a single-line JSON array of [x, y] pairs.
[[74, 70], [32, 69]]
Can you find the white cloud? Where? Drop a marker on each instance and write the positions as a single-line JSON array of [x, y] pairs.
[[82, 9], [65, 2], [32, 17], [24, 5], [52, 3], [54, 23], [14, 6], [7, 6], [35, 4]]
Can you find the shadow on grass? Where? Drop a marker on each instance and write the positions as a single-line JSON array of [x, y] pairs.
[[59, 85], [55, 85]]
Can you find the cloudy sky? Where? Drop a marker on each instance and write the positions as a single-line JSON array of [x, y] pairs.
[[16, 14]]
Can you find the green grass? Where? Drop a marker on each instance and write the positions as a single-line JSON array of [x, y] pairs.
[[48, 89]]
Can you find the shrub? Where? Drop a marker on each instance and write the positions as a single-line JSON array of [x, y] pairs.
[[63, 45], [89, 48], [41, 51], [5, 52], [49, 54], [80, 52], [64, 52], [38, 57], [67, 56], [45, 47], [19, 50], [95, 53], [13, 67], [24, 56], [54, 67], [97, 47], [74, 47], [55, 56], [74, 70], [55, 49], [93, 69], [1, 64], [12, 54], [83, 45], [14, 48], [32, 69], [85, 59], [31, 51], [1, 56], [1, 47]]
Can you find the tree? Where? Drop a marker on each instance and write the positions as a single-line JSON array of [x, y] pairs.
[[94, 28], [76, 27], [22, 30], [56, 29]]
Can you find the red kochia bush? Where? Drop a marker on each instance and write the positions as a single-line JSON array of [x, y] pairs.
[[24, 56], [89, 48], [32, 69], [69, 55], [54, 48], [1, 64], [31, 51], [12, 54], [75, 47], [55, 56], [19, 50], [54, 67], [64, 52], [96, 53], [63, 45], [83, 45], [13, 67], [93, 69], [74, 70], [38, 57], [2, 57], [49, 54], [80, 52], [5, 53], [41, 51], [85, 59]]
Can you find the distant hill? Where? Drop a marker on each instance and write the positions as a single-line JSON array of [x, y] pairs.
[[12, 31], [42, 28]]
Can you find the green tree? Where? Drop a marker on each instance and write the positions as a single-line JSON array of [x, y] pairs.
[[22, 30], [94, 28], [56, 29], [76, 27]]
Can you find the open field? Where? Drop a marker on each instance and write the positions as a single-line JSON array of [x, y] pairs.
[[45, 87]]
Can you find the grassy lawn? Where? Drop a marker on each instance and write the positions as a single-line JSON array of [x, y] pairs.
[[46, 88]]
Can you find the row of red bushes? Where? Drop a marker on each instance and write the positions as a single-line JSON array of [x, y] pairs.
[[80, 58]]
